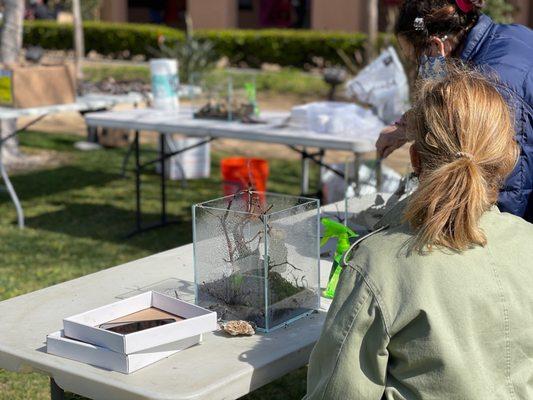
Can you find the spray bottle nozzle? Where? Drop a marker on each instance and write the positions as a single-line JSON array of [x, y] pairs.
[[343, 235], [338, 230]]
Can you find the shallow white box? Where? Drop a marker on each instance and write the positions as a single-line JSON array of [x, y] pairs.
[[59, 345], [197, 320]]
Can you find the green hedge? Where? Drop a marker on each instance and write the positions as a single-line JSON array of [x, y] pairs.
[[104, 38], [285, 47]]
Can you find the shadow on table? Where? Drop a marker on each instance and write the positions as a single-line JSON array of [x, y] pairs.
[[48, 182], [290, 373], [112, 224], [173, 287]]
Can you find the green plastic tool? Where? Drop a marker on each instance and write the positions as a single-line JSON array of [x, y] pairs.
[[334, 229], [251, 94]]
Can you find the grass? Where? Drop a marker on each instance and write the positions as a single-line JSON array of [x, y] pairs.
[[77, 215], [290, 81], [121, 72]]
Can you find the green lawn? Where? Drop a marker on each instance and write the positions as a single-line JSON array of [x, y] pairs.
[[290, 81], [77, 215]]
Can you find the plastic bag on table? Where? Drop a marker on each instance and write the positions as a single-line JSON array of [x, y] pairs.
[[337, 118], [383, 84]]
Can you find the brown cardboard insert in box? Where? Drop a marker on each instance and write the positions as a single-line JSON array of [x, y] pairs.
[[146, 315], [36, 85]]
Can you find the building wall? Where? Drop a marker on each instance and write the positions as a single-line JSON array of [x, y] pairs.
[[339, 15], [114, 10], [249, 19], [213, 14]]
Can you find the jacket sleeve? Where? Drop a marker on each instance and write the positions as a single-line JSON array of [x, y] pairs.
[[515, 194], [349, 360]]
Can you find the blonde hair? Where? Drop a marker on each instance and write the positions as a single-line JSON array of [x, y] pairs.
[[463, 131]]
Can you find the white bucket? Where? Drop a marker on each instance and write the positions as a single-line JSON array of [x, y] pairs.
[[191, 164], [165, 83]]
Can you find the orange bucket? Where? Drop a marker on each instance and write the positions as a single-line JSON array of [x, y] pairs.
[[240, 173]]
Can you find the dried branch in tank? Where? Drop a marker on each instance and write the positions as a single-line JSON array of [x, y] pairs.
[[250, 275]]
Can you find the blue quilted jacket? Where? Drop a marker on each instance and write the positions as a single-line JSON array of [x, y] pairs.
[[507, 52]]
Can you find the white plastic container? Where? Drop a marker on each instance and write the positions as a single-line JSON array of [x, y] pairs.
[[191, 164], [165, 83], [196, 321], [59, 345], [337, 118]]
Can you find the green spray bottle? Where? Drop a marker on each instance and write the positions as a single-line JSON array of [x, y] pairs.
[[343, 235]]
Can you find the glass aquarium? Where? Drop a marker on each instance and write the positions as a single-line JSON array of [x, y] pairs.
[[256, 257], [227, 97]]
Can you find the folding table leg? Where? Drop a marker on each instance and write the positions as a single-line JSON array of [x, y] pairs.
[[11, 191], [379, 175], [56, 393], [127, 159], [304, 185], [356, 167], [137, 181], [319, 182], [163, 178]]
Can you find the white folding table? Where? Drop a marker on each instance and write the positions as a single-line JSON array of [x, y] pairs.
[[221, 368], [90, 102], [274, 130]]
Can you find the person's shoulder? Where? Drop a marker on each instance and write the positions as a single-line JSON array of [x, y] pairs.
[[514, 33], [506, 225], [378, 256], [510, 47], [382, 261]]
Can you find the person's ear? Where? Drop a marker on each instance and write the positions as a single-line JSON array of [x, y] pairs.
[[415, 160], [437, 47]]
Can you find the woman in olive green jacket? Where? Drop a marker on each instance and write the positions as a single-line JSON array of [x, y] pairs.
[[439, 304]]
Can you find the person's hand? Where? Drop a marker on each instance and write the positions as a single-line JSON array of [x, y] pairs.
[[391, 138]]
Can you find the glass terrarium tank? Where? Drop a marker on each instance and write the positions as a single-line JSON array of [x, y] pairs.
[[256, 257], [226, 97]]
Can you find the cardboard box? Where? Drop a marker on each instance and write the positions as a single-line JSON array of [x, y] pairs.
[[114, 138], [196, 321], [36, 85], [59, 345]]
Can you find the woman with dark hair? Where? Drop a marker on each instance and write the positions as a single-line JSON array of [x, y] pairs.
[[432, 31]]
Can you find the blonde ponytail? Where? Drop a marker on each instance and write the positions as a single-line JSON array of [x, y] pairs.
[[462, 130]]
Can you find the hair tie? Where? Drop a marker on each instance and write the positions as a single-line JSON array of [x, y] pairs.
[[465, 5], [463, 154]]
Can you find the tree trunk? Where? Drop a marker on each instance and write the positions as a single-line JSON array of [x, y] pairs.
[[11, 37], [372, 29], [79, 45]]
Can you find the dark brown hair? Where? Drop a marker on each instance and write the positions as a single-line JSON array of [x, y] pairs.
[[440, 17]]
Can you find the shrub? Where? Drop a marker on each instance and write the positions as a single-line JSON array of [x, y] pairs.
[[285, 47], [104, 38], [500, 11]]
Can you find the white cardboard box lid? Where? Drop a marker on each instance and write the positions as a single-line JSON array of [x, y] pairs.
[[59, 345], [83, 326]]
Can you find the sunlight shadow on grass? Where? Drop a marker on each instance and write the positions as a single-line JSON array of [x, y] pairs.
[[52, 181], [111, 224]]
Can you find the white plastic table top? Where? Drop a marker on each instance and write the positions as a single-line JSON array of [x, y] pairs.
[[273, 131], [83, 103], [220, 368]]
